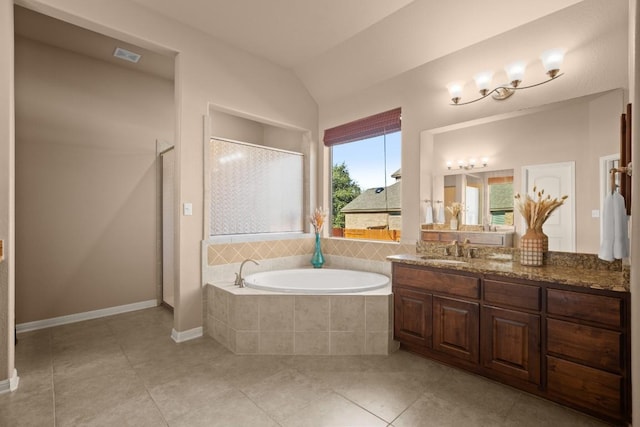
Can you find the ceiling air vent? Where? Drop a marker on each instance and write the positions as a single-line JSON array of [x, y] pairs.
[[127, 55]]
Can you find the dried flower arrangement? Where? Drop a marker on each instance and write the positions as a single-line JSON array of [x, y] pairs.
[[536, 212], [454, 209], [317, 219]]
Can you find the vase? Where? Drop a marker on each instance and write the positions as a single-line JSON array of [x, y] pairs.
[[317, 260], [533, 245], [453, 224]]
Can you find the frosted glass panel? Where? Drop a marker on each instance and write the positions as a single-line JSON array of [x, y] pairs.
[[254, 189]]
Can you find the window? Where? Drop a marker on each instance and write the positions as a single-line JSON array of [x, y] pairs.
[[366, 177], [254, 189]]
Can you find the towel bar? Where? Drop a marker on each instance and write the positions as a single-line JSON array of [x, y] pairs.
[[613, 171]]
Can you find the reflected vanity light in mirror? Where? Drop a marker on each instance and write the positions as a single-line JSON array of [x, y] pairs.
[[472, 163]]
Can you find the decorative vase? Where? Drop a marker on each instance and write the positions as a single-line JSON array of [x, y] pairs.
[[317, 260], [454, 223], [533, 245]]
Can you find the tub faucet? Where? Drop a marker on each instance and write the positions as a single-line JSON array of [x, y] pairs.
[[239, 279]]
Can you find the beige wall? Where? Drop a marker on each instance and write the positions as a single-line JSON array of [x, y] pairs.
[[593, 67], [580, 132], [86, 180], [7, 181], [208, 72]]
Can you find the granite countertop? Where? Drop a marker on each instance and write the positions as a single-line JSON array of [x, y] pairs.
[[502, 266]]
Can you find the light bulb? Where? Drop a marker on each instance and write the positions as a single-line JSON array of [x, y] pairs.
[[552, 60], [455, 91], [515, 72], [483, 81]]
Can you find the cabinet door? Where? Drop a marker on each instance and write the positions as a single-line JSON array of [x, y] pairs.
[[412, 317], [511, 343], [456, 328]]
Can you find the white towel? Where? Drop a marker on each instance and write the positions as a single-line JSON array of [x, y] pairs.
[[429, 214], [620, 236], [441, 214], [615, 240]]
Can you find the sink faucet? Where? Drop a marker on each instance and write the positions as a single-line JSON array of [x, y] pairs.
[[239, 279], [457, 250]]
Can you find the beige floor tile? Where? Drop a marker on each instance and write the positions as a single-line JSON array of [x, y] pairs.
[[385, 394], [179, 397], [234, 409], [476, 393], [284, 393], [433, 411], [21, 408], [246, 370], [531, 411], [126, 370], [332, 411]]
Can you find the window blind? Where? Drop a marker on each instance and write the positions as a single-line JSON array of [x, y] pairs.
[[368, 127]]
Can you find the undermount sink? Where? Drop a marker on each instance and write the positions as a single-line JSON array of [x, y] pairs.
[[443, 261]]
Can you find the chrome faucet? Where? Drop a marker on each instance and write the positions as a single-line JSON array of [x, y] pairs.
[[239, 279]]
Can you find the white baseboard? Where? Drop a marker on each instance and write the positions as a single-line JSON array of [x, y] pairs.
[[186, 335], [88, 315], [11, 384]]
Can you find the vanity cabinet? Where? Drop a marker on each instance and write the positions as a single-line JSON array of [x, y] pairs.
[[586, 350], [511, 341], [456, 328], [561, 342], [437, 313]]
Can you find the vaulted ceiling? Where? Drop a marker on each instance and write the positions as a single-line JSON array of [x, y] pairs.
[[338, 47]]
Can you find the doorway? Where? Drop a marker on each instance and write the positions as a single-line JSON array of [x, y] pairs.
[[557, 180]]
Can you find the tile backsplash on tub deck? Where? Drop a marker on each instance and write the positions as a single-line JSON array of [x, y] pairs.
[[229, 253]]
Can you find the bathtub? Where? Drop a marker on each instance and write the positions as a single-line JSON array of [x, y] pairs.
[[316, 281], [303, 312]]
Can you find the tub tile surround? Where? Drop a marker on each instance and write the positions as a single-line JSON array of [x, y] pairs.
[[257, 322], [250, 323]]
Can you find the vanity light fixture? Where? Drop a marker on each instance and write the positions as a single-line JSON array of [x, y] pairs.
[[551, 61], [469, 164]]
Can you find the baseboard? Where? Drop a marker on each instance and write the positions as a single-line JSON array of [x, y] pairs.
[[186, 335], [11, 384], [88, 315]]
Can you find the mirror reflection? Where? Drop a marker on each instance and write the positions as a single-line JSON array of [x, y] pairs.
[[486, 197], [575, 132]]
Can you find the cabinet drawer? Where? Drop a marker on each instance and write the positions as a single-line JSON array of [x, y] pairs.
[[593, 308], [599, 348], [587, 387], [512, 294], [436, 281]]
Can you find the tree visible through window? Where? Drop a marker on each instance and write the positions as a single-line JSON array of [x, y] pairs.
[[365, 178]]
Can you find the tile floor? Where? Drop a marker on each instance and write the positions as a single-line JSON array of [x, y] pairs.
[[126, 371]]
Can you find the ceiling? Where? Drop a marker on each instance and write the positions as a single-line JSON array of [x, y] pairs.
[[335, 47]]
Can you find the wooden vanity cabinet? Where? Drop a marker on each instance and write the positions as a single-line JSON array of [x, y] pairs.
[[510, 334], [561, 342], [587, 351], [436, 313]]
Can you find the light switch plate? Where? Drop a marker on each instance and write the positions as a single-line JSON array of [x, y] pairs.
[[595, 213], [187, 209]]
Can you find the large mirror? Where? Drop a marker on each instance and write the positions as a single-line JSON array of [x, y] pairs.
[[577, 132]]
